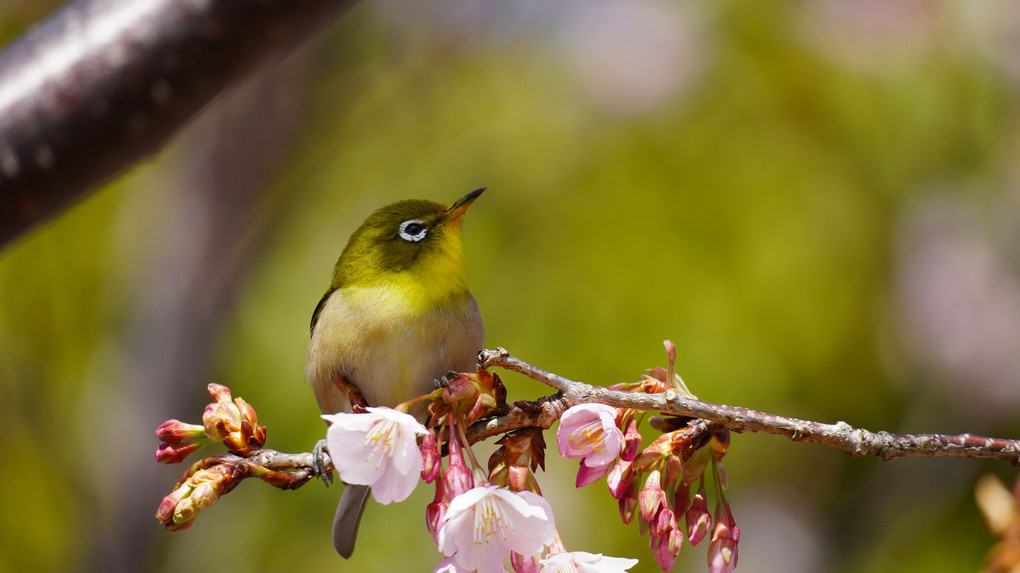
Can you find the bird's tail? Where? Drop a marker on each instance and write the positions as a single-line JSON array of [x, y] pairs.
[[348, 517]]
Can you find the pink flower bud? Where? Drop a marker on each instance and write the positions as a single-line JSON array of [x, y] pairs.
[[517, 478], [484, 404], [197, 491], [460, 388], [670, 357], [172, 431], [654, 453], [204, 495], [652, 498], [184, 514], [663, 549], [175, 453], [221, 417], [664, 521], [168, 505], [522, 563], [458, 475], [620, 478], [253, 434], [219, 392], [628, 503], [436, 511], [232, 422], [631, 441], [673, 472], [431, 460], [722, 549], [698, 518]]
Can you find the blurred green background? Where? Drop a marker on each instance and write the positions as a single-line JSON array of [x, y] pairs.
[[818, 201]]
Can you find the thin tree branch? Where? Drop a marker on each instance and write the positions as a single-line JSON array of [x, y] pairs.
[[545, 411], [101, 84], [854, 441]]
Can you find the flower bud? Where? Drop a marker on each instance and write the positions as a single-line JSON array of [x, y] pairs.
[[179, 441], [460, 389], [204, 495], [175, 453], [620, 478], [518, 478], [173, 431], [232, 422], [431, 460], [200, 489], [253, 434], [651, 498], [673, 472], [167, 506], [436, 511], [631, 441], [722, 549], [523, 563], [484, 404], [628, 503], [665, 547], [670, 358], [698, 518], [664, 522], [458, 475], [654, 453]]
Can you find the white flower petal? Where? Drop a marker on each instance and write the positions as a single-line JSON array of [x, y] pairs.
[[485, 523], [584, 562], [394, 487], [349, 421], [347, 449], [378, 448]]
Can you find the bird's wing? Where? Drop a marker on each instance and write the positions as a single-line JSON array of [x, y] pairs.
[[318, 308]]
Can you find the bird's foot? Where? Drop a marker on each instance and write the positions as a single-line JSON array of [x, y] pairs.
[[444, 381], [319, 463]]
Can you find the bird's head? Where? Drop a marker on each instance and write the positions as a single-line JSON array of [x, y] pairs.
[[408, 242]]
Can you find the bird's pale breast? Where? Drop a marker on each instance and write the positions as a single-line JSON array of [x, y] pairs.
[[391, 351]]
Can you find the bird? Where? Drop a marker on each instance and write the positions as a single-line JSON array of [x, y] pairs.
[[397, 317]]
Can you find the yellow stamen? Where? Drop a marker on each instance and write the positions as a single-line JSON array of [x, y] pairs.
[[380, 441], [589, 435], [491, 520]]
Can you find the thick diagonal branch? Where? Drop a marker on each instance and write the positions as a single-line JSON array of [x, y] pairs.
[[101, 84]]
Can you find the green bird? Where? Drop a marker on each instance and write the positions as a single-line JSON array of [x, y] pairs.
[[397, 316]]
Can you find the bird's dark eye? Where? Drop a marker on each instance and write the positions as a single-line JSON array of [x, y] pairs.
[[413, 230]]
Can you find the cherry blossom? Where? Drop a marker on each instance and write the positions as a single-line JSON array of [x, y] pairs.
[[378, 448], [485, 523], [589, 432]]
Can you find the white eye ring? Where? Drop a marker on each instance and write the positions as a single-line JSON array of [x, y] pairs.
[[413, 230]]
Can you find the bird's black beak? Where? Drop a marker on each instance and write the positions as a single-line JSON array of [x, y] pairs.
[[457, 210]]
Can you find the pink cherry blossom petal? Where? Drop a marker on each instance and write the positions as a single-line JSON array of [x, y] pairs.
[[589, 432]]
